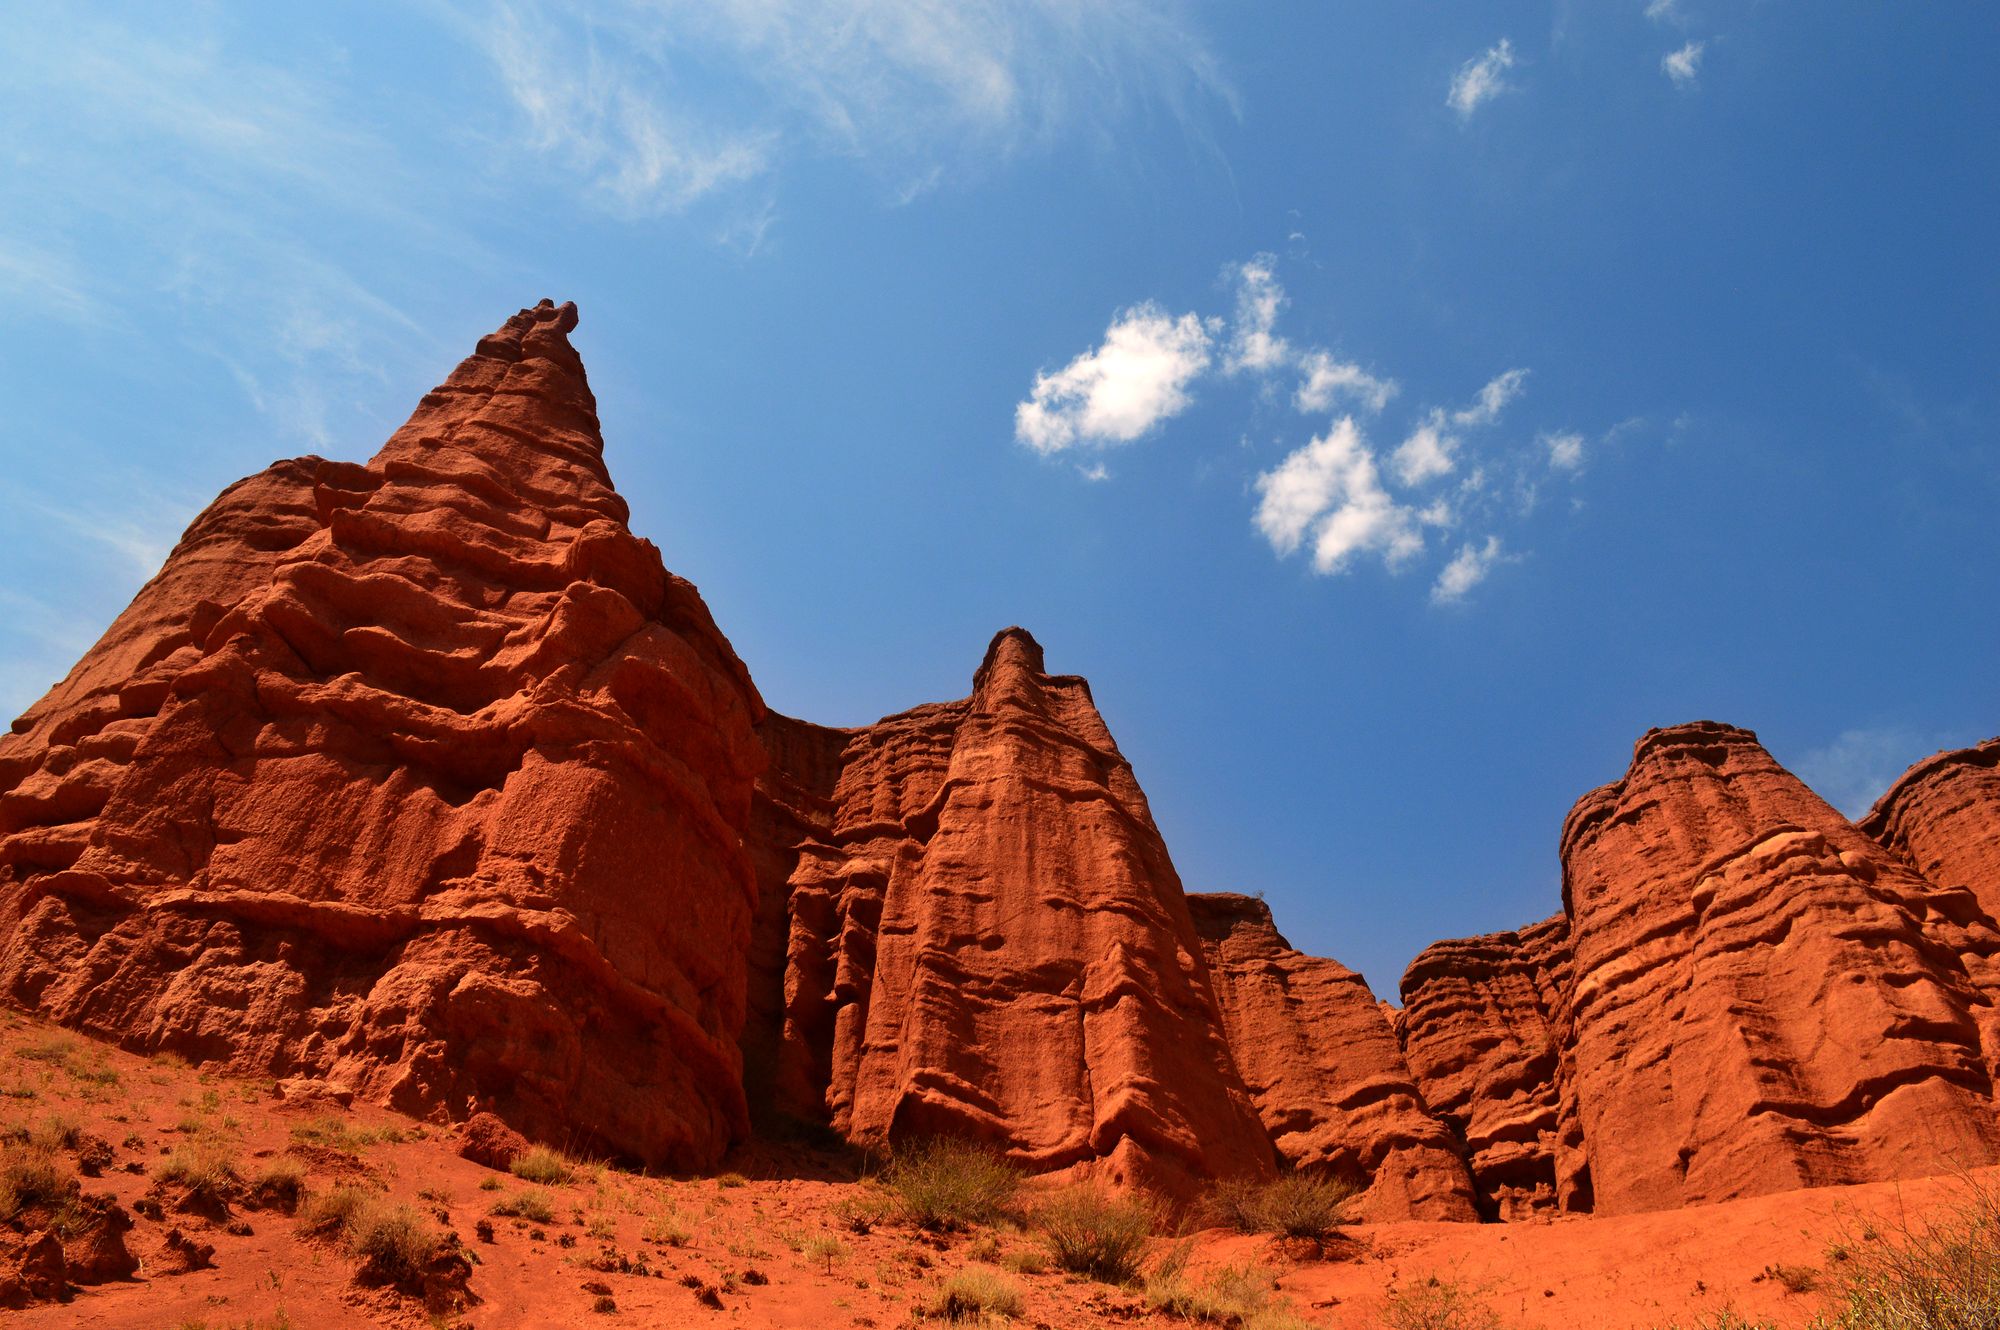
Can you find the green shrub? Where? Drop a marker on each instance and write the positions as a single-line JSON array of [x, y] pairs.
[[1090, 1231], [947, 1184], [974, 1295], [1297, 1205], [539, 1164]]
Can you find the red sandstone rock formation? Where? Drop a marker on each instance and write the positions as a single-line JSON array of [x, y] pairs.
[[985, 936], [424, 776], [1324, 1069], [1943, 817], [1478, 1029]]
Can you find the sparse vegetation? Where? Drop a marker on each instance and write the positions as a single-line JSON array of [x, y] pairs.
[[825, 1251], [975, 1296], [541, 1165], [330, 1212], [1090, 1231], [1230, 1295], [281, 1185], [1297, 1205], [333, 1130], [666, 1229], [1438, 1304], [947, 1184], [1944, 1275], [1025, 1261], [32, 1177], [394, 1243], [533, 1204], [206, 1168]]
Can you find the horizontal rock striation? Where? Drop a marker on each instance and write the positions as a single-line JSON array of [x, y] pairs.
[[1479, 1028], [1942, 817], [423, 776], [1324, 1068], [986, 937]]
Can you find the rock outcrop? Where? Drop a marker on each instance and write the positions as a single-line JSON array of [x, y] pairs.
[[1324, 1068], [986, 937], [1479, 1030], [1745, 994], [1942, 817], [422, 776]]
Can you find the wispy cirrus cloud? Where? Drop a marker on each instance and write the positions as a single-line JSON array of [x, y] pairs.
[[1481, 79]]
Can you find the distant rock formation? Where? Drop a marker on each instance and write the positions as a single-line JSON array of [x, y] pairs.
[[1745, 994], [424, 776], [1323, 1065], [986, 937]]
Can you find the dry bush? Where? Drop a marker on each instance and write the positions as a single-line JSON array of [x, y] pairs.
[[1297, 1205], [1230, 1295], [1438, 1304], [1943, 1275], [32, 1177], [825, 1251], [395, 1244], [205, 1167], [539, 1164], [1090, 1231], [948, 1184], [281, 1186], [326, 1213], [533, 1204], [976, 1296]]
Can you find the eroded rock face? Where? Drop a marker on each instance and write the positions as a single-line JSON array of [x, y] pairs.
[[1479, 1030], [1323, 1067], [422, 776], [1943, 818], [985, 936]]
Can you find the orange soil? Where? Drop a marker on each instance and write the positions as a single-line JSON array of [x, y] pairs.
[[1634, 1271]]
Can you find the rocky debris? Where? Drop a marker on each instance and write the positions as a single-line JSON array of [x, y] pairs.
[[32, 1269], [1324, 1068], [94, 1250], [1476, 1027], [985, 936], [485, 1139], [422, 776], [309, 1095], [1942, 817], [182, 1255]]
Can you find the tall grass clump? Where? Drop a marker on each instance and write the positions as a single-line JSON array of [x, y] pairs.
[[975, 1296], [946, 1184], [1091, 1231], [1297, 1205], [1438, 1304], [206, 1168], [1942, 1275], [32, 1177], [539, 1164]]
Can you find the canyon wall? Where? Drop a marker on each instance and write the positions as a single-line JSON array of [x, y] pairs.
[[426, 777]]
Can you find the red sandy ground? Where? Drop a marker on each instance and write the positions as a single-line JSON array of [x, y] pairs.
[[1639, 1271]]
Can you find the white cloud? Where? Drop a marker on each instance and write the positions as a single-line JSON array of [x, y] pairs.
[[1684, 65], [1857, 766], [1330, 490], [1096, 471], [1253, 340], [1481, 79], [1425, 455], [1661, 10], [1466, 571], [1137, 378], [1565, 451], [1325, 380], [1492, 399]]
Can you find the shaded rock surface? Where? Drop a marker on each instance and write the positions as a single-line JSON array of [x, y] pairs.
[[1322, 1064], [1942, 817], [423, 776], [984, 935]]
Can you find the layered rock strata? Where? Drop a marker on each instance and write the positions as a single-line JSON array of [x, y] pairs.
[[423, 776], [1942, 817], [1323, 1065], [1479, 1028], [1758, 997], [986, 937]]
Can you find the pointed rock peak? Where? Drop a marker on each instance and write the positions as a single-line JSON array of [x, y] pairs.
[[1014, 652], [541, 331], [1695, 734]]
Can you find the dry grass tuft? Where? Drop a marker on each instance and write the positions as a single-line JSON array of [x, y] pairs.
[[1091, 1231], [541, 1165], [946, 1184], [1297, 1205], [974, 1296]]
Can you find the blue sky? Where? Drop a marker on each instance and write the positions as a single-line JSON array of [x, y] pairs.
[[1392, 409]]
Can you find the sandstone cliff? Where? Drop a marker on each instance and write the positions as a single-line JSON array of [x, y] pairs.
[[1323, 1066], [1745, 994], [424, 776], [1942, 817], [987, 937]]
